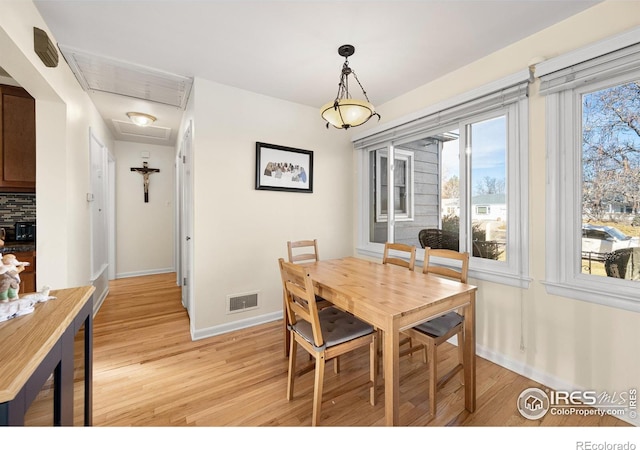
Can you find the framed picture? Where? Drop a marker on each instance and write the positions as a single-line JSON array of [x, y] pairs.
[[281, 168]]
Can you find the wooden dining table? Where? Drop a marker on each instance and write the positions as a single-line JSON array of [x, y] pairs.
[[393, 299]]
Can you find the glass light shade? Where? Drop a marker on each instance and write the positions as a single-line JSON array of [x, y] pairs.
[[141, 119], [349, 112]]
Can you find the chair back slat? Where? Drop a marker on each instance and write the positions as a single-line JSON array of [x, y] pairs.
[[300, 298], [309, 250], [453, 256], [408, 251]]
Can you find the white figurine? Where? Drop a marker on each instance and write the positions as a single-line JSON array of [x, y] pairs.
[[40, 296], [9, 283]]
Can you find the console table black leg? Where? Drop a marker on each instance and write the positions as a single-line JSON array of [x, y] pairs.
[[63, 383], [88, 370]]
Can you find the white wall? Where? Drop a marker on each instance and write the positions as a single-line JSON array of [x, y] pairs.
[[240, 232], [565, 343], [64, 115], [144, 231]]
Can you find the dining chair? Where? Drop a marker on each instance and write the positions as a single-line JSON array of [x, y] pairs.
[[301, 252], [325, 334], [404, 256], [408, 251], [432, 333]]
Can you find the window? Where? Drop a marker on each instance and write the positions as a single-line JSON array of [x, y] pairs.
[[458, 182], [593, 143], [402, 185]]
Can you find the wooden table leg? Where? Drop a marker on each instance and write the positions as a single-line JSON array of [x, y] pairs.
[[391, 357], [470, 354]]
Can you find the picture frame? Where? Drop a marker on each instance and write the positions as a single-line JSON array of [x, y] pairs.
[[280, 168]]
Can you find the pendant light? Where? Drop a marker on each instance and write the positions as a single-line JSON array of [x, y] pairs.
[[346, 112]]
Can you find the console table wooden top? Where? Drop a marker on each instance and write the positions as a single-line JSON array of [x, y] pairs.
[[25, 341]]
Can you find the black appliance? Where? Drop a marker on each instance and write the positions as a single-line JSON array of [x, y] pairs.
[[25, 231]]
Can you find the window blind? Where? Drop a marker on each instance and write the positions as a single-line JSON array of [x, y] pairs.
[[451, 113], [616, 56]]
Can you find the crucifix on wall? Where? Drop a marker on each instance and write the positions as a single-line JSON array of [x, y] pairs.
[[145, 171]]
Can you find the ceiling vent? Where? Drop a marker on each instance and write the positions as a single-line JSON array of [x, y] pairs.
[[98, 73], [131, 129]]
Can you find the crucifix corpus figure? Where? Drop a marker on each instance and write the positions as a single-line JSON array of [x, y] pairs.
[[145, 171]]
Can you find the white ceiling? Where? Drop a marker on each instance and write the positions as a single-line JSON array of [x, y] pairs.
[[288, 49]]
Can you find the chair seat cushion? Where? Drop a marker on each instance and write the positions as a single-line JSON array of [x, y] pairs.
[[337, 327], [440, 325]]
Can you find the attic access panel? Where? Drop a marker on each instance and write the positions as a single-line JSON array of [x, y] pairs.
[[102, 74]]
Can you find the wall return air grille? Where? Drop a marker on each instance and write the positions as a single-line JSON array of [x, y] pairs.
[[242, 302]]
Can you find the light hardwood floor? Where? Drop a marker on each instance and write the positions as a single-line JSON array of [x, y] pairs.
[[148, 372]]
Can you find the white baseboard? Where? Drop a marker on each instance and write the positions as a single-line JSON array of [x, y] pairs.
[[234, 326], [141, 273]]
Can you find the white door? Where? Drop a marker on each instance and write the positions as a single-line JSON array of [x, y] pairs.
[[186, 222], [111, 216], [98, 201]]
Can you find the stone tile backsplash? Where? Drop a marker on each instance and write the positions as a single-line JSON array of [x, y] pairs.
[[17, 208]]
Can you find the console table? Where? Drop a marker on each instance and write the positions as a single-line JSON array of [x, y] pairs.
[[34, 346]]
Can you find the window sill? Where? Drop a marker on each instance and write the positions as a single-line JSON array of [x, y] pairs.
[[519, 281], [591, 294], [383, 219]]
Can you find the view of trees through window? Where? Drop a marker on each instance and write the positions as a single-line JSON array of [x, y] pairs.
[[611, 182]]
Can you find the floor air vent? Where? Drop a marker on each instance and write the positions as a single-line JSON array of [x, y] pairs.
[[242, 302]]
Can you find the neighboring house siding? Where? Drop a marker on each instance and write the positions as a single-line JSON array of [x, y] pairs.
[[426, 195]]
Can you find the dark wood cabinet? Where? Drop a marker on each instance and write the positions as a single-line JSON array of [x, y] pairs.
[[28, 275], [17, 140]]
